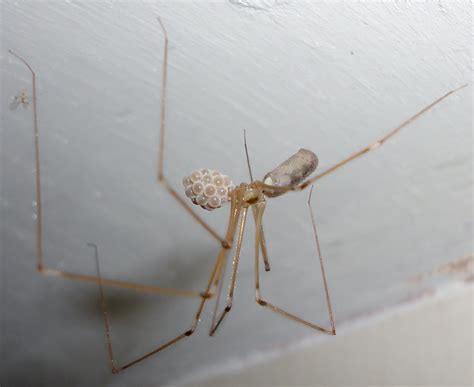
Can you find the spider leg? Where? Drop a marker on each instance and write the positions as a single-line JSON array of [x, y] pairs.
[[236, 209], [40, 266], [114, 365], [161, 150], [233, 219], [276, 309], [361, 152], [262, 244], [241, 213]]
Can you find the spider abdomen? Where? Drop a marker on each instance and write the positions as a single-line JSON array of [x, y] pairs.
[[292, 171]]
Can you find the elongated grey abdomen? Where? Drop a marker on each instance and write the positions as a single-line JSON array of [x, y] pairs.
[[292, 171]]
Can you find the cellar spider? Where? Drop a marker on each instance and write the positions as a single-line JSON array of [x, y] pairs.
[[211, 190]]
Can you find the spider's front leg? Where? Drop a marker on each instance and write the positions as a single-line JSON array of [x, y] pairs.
[[161, 150], [40, 265], [272, 190]]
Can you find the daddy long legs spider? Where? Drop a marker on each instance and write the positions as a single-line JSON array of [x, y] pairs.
[[210, 189]]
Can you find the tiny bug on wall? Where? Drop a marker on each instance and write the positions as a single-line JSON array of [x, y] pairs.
[[20, 99], [211, 189]]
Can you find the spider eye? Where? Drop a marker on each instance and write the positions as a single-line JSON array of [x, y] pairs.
[[208, 188]]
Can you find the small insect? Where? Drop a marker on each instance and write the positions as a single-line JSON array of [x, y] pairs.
[[20, 98], [210, 189]]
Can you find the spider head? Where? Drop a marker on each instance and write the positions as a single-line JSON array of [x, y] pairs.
[[208, 188]]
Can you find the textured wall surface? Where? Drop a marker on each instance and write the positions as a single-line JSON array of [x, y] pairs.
[[328, 77]]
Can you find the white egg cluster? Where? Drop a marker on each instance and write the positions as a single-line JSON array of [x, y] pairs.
[[207, 188]]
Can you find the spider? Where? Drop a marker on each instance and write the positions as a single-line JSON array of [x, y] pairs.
[[211, 190]]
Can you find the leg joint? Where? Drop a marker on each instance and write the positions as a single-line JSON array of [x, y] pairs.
[[190, 332], [206, 295], [260, 301]]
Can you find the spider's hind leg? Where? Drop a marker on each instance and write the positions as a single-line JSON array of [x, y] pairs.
[[113, 362], [258, 294], [235, 215]]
